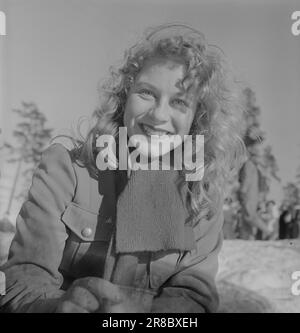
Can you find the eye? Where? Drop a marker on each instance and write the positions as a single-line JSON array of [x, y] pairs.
[[146, 93], [180, 102]]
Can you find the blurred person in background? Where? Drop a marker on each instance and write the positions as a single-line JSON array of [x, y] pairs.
[[249, 196], [270, 216], [285, 223], [295, 227]]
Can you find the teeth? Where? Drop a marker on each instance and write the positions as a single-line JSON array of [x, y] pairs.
[[150, 131]]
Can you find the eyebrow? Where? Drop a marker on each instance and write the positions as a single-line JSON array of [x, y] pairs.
[[151, 86]]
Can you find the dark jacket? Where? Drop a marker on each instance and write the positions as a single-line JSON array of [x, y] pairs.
[[64, 233]]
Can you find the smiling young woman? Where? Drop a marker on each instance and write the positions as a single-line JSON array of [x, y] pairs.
[[156, 104], [87, 238]]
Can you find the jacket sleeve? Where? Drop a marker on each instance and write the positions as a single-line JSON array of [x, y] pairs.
[[32, 278], [192, 288]]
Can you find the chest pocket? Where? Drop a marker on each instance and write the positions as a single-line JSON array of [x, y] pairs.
[[87, 244]]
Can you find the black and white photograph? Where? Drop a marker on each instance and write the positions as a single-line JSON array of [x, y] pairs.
[[149, 158]]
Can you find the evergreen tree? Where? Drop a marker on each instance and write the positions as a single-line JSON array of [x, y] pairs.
[[31, 136], [254, 137], [291, 194]]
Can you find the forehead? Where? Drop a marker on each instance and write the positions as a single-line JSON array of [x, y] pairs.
[[162, 72]]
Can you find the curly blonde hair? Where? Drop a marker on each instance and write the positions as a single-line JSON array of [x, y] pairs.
[[218, 116]]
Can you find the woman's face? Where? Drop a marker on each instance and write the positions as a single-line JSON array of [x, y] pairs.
[[156, 106]]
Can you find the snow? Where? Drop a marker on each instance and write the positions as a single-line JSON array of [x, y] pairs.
[[256, 276]]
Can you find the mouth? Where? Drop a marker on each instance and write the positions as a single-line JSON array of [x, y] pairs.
[[148, 130]]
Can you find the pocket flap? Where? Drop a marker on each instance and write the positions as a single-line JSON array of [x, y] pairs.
[[86, 225]]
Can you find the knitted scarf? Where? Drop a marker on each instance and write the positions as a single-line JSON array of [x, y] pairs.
[[151, 216]]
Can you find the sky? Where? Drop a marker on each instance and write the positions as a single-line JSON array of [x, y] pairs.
[[57, 52]]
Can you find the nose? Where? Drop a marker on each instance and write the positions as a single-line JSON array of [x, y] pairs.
[[159, 113]]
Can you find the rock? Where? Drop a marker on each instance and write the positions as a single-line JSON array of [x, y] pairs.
[[255, 276]]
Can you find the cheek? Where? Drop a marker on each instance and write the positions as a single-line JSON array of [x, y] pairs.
[[183, 124], [133, 109]]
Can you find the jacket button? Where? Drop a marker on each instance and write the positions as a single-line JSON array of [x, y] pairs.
[[86, 232]]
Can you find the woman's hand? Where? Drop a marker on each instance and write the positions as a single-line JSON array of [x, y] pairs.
[[89, 295]]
